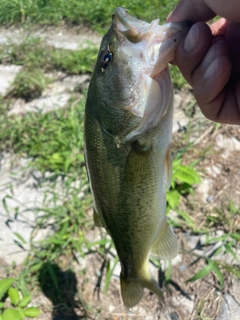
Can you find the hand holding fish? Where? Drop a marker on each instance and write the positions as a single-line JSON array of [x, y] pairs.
[[209, 57]]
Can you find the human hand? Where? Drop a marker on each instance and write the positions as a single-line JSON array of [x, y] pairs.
[[209, 57]]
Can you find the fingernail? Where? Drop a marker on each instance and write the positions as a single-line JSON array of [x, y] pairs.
[[192, 39], [175, 15], [169, 16], [211, 70]]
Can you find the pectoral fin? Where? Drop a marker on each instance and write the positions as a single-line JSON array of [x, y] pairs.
[[166, 246]]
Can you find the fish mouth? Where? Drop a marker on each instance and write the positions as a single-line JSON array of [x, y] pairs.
[[136, 30], [129, 27], [155, 43]]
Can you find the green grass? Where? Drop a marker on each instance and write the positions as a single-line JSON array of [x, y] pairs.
[[33, 53], [53, 140], [96, 14], [19, 301], [177, 79], [29, 84], [53, 144], [37, 59], [75, 62]]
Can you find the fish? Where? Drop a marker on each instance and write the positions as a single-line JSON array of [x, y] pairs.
[[127, 130]]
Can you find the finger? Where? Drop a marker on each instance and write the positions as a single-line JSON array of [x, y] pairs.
[[230, 32], [192, 50], [210, 78], [204, 10], [192, 10], [213, 73], [218, 28], [210, 82], [232, 37], [229, 112], [225, 108], [229, 10]]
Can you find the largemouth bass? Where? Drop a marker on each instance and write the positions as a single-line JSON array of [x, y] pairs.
[[128, 127]]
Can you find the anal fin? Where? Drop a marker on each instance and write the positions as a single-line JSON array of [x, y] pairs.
[[166, 245]]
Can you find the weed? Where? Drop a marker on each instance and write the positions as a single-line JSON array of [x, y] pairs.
[[96, 14], [226, 218], [33, 54], [177, 78], [53, 143], [2, 53], [227, 242], [53, 140], [75, 62], [200, 311], [19, 300], [212, 266], [183, 180], [29, 84]]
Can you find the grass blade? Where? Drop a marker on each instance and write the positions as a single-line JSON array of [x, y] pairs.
[[203, 272]]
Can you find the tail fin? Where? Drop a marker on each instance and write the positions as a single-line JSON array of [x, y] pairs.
[[133, 289]]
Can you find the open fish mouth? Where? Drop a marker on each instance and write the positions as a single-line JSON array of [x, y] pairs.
[[153, 41], [144, 49], [131, 28]]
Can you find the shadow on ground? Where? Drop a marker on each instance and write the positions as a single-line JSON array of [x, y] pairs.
[[61, 288]]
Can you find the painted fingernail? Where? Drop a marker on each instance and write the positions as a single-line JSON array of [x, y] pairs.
[[211, 70], [192, 39]]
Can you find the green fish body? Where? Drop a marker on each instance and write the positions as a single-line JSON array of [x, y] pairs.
[[128, 127]]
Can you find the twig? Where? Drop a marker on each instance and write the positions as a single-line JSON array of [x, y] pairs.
[[203, 135]]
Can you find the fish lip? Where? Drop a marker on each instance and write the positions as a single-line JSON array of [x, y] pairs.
[[129, 27], [135, 30], [158, 41]]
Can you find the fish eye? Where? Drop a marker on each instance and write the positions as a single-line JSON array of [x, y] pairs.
[[104, 58]]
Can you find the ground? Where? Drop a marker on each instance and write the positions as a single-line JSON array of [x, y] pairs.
[[212, 208]]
